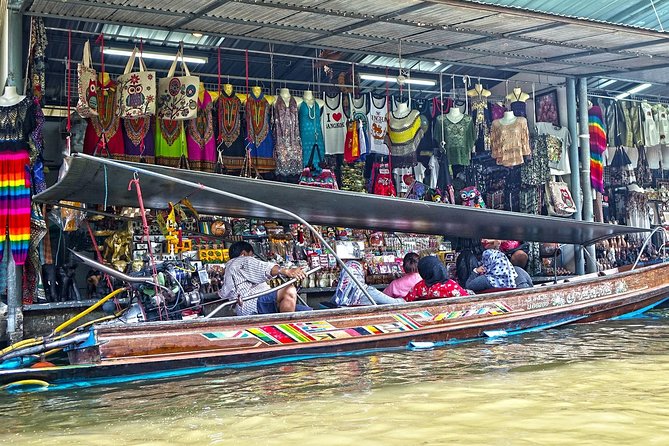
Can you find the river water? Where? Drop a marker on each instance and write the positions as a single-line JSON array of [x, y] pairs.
[[597, 384]]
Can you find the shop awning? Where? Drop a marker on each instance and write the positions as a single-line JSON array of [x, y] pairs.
[[97, 181]]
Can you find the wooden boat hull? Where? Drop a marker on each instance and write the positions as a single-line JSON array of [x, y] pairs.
[[152, 350]]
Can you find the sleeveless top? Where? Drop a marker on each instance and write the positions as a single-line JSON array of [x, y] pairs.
[[519, 108], [378, 117], [288, 149], [200, 137], [334, 124], [311, 133], [360, 112]]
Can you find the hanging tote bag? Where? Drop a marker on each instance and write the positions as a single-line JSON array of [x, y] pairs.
[[136, 91], [177, 95], [559, 201], [87, 106]]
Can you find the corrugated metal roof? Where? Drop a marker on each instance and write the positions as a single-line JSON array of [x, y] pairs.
[[638, 13], [282, 35], [486, 39], [318, 21], [367, 7], [251, 12], [439, 15], [388, 30]]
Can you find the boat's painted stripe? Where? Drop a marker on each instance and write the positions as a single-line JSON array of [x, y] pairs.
[[406, 320], [294, 332], [264, 337], [274, 332], [640, 311]]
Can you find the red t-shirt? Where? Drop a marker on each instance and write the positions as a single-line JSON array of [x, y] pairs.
[[421, 291]]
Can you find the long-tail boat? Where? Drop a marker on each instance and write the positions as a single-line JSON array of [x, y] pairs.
[[108, 352]]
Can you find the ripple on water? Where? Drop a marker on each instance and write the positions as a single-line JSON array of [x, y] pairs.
[[602, 383]]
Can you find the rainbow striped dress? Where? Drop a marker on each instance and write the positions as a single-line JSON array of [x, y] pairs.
[[16, 124], [597, 130]]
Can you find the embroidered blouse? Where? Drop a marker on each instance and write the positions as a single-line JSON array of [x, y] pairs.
[[510, 142], [459, 138], [16, 123]]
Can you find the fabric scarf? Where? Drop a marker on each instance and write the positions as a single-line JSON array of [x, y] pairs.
[[499, 270], [432, 270], [347, 292]]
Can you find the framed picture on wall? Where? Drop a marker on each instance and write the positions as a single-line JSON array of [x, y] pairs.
[[546, 106]]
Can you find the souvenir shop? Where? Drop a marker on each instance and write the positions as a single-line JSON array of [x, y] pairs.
[[478, 141]]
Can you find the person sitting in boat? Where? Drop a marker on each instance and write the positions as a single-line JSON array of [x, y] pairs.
[[496, 270], [245, 276], [516, 251], [435, 283], [400, 287], [349, 294]]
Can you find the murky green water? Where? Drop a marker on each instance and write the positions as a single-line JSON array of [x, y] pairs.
[[599, 384]]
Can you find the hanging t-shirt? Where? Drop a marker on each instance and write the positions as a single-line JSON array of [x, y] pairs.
[[334, 124], [378, 117], [558, 158], [360, 112]]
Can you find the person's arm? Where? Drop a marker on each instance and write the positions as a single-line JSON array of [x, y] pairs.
[[293, 273]]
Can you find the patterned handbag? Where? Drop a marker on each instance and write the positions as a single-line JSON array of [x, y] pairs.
[[177, 95], [559, 201], [87, 85], [136, 92]]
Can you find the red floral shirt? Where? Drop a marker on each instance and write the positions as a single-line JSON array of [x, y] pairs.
[[421, 291]]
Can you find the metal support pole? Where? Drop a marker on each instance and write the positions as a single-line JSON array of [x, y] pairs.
[[14, 301], [15, 61], [15, 46], [584, 141], [4, 47], [572, 120]]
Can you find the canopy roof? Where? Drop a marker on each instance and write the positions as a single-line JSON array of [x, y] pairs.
[[98, 181]]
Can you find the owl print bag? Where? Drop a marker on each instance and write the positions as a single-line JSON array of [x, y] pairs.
[[136, 91], [87, 106], [177, 95]]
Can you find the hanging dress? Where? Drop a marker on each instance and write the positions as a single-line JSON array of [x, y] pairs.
[[171, 146], [311, 133], [230, 139], [17, 122], [103, 134], [258, 132], [200, 136], [288, 149], [482, 122], [378, 118], [334, 124], [597, 132], [139, 139]]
